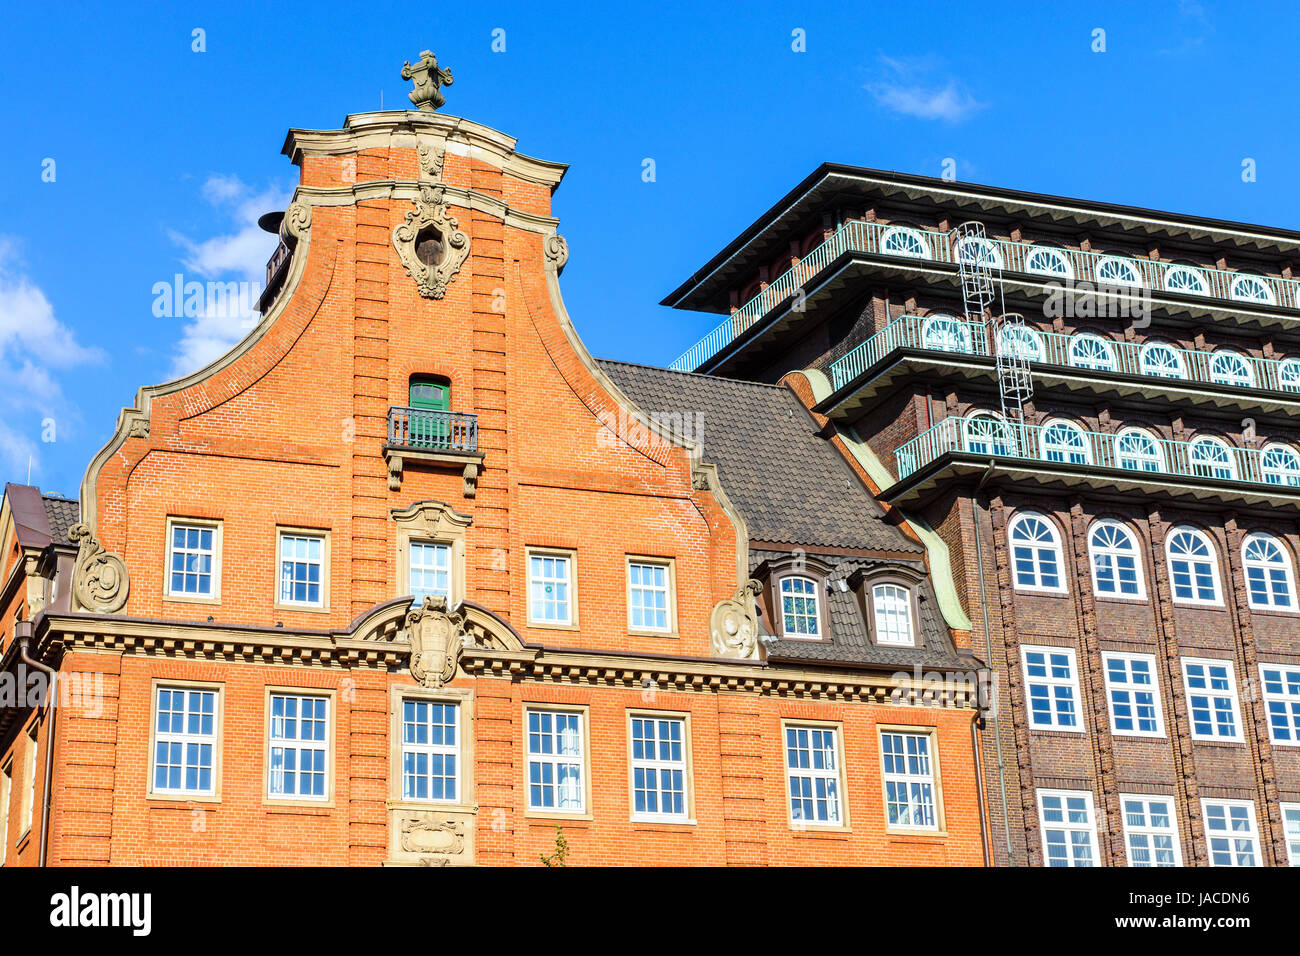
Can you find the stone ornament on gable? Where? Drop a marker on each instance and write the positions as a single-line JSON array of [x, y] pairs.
[[733, 624], [557, 250], [430, 242], [100, 581], [428, 77], [431, 160], [437, 637]]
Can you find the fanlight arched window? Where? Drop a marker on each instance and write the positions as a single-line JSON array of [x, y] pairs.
[[1193, 567], [902, 241], [1137, 450], [987, 434], [1231, 368], [1162, 359], [800, 611], [1046, 261], [1092, 351], [1116, 561], [1251, 288], [1035, 553], [892, 604], [1021, 342], [1187, 280], [1270, 582], [1065, 441], [1212, 458], [946, 333], [977, 249], [1280, 465], [1112, 270], [1288, 374]]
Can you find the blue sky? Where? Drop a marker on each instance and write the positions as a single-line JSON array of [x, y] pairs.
[[163, 156]]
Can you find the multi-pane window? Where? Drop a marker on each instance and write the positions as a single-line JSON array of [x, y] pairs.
[[430, 570], [1111, 270], [1091, 351], [302, 567], [1230, 832], [430, 750], [1212, 699], [1064, 441], [1211, 458], [1053, 687], [555, 761], [1045, 261], [1035, 553], [1250, 288], [1069, 827], [892, 604], [1160, 359], [901, 241], [1135, 450], [185, 741], [1116, 565], [1150, 830], [648, 607], [1186, 279], [659, 767], [945, 333], [298, 768], [29, 779], [1280, 465], [909, 780], [1193, 572], [1021, 342], [1134, 694], [800, 612], [6, 794], [192, 561], [986, 434], [1269, 583], [1280, 685], [1288, 374], [549, 588], [1291, 827], [1231, 368], [812, 763]]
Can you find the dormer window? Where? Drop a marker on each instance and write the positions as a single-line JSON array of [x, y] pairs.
[[800, 607], [892, 611]]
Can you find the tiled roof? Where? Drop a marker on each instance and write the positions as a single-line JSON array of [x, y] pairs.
[[63, 513]]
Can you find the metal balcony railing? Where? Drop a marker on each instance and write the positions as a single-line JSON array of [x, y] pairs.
[[1047, 262], [429, 430], [1152, 359]]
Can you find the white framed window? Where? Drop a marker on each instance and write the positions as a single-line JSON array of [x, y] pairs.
[[987, 434], [945, 333], [1112, 270], [1212, 699], [1288, 374], [1150, 830], [302, 569], [1052, 686], [1280, 465], [1280, 684], [979, 249], [1211, 458], [1270, 583], [1046, 261], [892, 608], [1134, 694], [430, 750], [430, 570], [1069, 827], [1022, 342], [911, 790], [1091, 351], [800, 607], [557, 757], [1230, 832], [649, 596], [659, 768], [1064, 441], [32, 743], [902, 241], [193, 562], [1161, 360], [1187, 280], [185, 741], [1291, 827], [1231, 368], [298, 746], [1116, 561], [812, 764], [1193, 567], [1136, 450], [1251, 288], [550, 588], [6, 794], [1035, 553]]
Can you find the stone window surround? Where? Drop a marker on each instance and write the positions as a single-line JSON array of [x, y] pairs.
[[324, 535], [434, 522], [531, 551], [940, 827], [218, 730], [463, 698], [688, 773], [584, 716], [803, 826], [216, 525], [331, 730], [671, 565]]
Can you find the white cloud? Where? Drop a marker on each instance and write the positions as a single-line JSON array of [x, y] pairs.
[[908, 85]]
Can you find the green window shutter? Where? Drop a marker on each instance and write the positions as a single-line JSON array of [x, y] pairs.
[[430, 395]]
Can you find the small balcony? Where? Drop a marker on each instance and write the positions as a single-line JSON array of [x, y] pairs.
[[438, 438]]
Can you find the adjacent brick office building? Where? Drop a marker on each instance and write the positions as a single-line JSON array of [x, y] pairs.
[[661, 611], [1123, 541]]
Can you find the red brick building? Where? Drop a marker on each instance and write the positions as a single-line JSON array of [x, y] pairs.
[[407, 577], [1093, 407]]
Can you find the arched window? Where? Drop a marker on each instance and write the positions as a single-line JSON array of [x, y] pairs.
[[1035, 553], [946, 333], [892, 605], [1288, 374], [1211, 458], [1116, 562], [1280, 465], [1162, 359], [902, 241], [1231, 368], [1092, 351], [1045, 261], [978, 249], [1137, 450], [987, 434], [1021, 342], [1187, 280], [1269, 580], [1251, 288], [1065, 441], [800, 610], [1193, 569], [1111, 270]]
